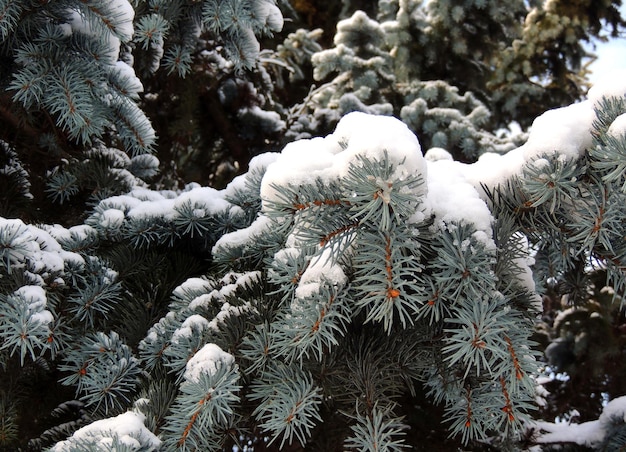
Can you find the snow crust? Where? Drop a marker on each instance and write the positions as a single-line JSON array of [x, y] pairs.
[[128, 428], [207, 360]]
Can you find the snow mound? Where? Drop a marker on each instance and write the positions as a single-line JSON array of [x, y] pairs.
[[207, 360], [127, 429], [357, 135]]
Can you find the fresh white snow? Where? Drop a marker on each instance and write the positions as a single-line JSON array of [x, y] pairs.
[[452, 193], [192, 285], [260, 226], [194, 324], [618, 127], [590, 433], [127, 428], [35, 298], [322, 269], [357, 134], [207, 360]]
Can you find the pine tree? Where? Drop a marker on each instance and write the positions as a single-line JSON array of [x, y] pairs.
[[344, 286], [71, 102], [357, 288], [458, 74]]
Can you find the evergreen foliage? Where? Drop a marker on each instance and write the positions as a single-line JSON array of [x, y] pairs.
[[352, 289]]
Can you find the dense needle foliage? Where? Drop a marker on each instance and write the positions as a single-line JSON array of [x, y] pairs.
[[306, 224]]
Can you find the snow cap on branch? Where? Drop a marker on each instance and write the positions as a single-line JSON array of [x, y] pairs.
[[357, 135], [207, 360], [565, 131], [127, 429]]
